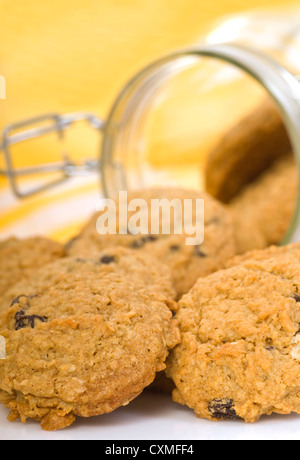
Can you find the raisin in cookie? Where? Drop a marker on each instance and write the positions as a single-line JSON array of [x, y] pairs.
[[83, 345], [20, 258], [186, 262], [144, 270], [239, 357]]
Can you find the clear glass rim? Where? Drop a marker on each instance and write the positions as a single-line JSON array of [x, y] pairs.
[[283, 87]]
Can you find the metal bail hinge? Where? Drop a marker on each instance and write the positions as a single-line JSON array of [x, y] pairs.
[[52, 123]]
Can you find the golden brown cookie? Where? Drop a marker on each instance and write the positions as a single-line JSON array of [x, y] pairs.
[[239, 357], [246, 151], [263, 210], [82, 345], [142, 269], [186, 262], [19, 259]]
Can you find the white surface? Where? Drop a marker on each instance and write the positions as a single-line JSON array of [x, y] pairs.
[[155, 417], [151, 416]]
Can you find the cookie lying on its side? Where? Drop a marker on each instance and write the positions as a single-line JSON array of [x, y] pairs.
[[239, 357], [83, 344], [253, 170], [247, 150], [19, 259], [263, 210], [186, 262]]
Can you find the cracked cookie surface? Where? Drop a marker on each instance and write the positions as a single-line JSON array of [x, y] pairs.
[[83, 344], [239, 357]]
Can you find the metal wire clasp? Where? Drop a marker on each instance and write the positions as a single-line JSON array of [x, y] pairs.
[[59, 124]]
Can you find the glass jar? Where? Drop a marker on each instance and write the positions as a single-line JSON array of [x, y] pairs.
[[168, 117]]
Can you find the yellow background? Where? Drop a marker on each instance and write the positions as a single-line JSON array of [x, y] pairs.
[[69, 55], [73, 55]]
